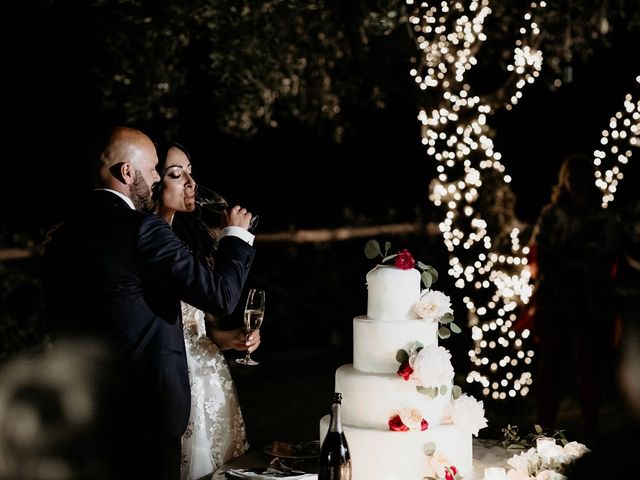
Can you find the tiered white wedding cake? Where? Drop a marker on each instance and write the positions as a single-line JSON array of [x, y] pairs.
[[403, 417]]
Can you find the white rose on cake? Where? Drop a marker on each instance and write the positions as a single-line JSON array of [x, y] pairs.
[[432, 366], [432, 305], [468, 413]]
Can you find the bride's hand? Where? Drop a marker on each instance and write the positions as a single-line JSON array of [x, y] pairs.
[[238, 217], [236, 339], [244, 343]]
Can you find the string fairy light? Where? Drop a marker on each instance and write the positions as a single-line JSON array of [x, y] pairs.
[[455, 133], [622, 135]]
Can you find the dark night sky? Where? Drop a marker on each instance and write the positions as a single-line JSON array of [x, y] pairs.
[[306, 181]]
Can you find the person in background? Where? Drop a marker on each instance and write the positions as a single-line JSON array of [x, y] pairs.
[[216, 432], [577, 243], [118, 273], [628, 272]]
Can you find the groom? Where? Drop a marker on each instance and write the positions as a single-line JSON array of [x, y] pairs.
[[117, 273]]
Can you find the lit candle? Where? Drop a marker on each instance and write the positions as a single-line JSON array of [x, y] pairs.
[[495, 473], [545, 445]]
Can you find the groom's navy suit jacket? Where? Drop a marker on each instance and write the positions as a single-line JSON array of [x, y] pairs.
[[120, 273]]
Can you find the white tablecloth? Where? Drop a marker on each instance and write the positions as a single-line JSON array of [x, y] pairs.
[[486, 453]]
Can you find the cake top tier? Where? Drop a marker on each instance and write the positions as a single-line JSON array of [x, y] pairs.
[[392, 293]]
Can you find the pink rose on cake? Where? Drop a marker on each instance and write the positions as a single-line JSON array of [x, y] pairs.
[[468, 413], [408, 419], [435, 306], [432, 305], [442, 468]]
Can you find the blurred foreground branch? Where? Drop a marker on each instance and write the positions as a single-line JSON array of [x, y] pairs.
[[347, 233], [296, 236]]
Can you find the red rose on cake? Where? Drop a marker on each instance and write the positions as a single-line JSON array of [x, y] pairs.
[[405, 370], [404, 260]]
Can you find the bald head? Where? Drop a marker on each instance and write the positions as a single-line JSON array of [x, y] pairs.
[[127, 164], [125, 145]]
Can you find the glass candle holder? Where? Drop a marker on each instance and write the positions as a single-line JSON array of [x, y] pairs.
[[495, 473], [544, 446]]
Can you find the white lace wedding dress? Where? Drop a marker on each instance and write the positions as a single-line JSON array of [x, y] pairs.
[[215, 433]]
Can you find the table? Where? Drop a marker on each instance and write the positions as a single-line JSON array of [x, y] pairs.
[[486, 453]]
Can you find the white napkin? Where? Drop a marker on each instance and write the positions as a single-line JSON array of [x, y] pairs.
[[271, 473]]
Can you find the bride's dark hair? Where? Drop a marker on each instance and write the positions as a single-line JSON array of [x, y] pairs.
[[188, 226]]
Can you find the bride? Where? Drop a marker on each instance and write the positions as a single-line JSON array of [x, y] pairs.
[[216, 432]]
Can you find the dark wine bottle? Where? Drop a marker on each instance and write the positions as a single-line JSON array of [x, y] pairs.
[[335, 461]]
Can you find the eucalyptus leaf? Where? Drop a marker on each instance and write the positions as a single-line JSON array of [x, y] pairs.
[[429, 448], [444, 333], [431, 392], [427, 279], [446, 318], [372, 249], [387, 246], [538, 429], [443, 389], [402, 356], [433, 272], [456, 391], [422, 266], [389, 257], [455, 328]]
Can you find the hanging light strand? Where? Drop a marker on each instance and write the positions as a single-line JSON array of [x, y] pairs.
[[616, 146], [455, 133]]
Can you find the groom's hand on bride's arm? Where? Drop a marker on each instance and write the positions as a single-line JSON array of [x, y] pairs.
[[236, 339]]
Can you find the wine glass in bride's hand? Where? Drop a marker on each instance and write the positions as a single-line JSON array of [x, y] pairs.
[[253, 315], [210, 200], [214, 202]]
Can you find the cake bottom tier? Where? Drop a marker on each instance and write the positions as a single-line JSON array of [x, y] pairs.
[[388, 455]]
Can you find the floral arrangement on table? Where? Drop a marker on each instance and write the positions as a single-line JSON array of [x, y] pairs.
[[440, 465], [433, 305], [546, 459]]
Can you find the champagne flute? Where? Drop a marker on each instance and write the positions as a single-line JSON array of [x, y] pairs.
[[253, 315], [214, 202]]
